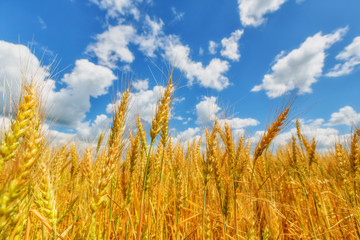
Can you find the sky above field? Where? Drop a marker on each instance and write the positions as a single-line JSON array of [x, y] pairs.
[[235, 60]]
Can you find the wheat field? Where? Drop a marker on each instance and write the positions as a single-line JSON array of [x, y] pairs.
[[139, 184]]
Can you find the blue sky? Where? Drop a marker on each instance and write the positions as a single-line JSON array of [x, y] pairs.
[[233, 59]]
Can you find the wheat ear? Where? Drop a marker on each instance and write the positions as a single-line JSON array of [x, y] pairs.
[[12, 200], [271, 133]]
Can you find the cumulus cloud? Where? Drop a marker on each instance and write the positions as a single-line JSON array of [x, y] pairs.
[[178, 99], [188, 135], [70, 104], [17, 63], [252, 12], [149, 41], [212, 47], [211, 76], [111, 46], [117, 8], [140, 84], [89, 78], [180, 118], [142, 103], [57, 138], [239, 123], [345, 116], [67, 106], [231, 46], [301, 67], [86, 134], [325, 137], [91, 130], [351, 57], [208, 109], [183, 120]]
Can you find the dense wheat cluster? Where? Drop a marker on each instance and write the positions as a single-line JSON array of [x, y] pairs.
[[139, 184]]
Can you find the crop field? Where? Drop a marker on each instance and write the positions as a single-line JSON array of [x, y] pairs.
[[139, 184]]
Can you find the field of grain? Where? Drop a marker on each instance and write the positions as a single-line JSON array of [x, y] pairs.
[[138, 184]]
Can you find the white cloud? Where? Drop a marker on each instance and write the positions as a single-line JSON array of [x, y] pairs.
[[188, 135], [89, 78], [91, 130], [351, 56], [239, 123], [180, 118], [136, 13], [85, 134], [206, 110], [255, 138], [178, 99], [183, 120], [325, 137], [252, 12], [4, 124], [231, 46], [71, 103], [345, 116], [238, 133], [17, 63], [111, 46], [211, 76], [150, 40], [140, 84], [279, 56], [212, 47], [301, 67], [115, 8], [57, 138], [142, 103]]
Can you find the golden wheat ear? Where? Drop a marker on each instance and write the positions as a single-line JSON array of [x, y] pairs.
[[28, 109], [162, 112], [13, 199], [74, 161], [277, 125], [354, 155]]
